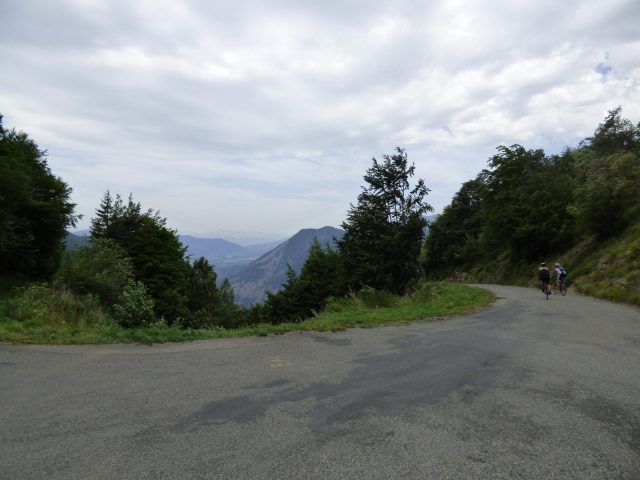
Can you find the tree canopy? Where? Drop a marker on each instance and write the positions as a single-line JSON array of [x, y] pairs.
[[35, 208], [530, 204], [156, 253], [384, 230], [181, 292]]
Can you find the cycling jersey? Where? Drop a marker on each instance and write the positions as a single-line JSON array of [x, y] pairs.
[[543, 274]]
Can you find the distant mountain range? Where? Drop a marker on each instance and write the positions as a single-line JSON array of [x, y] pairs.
[[214, 249], [73, 240], [269, 272], [251, 269], [227, 257]]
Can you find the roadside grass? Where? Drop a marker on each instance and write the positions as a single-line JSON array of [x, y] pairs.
[[431, 300], [43, 319]]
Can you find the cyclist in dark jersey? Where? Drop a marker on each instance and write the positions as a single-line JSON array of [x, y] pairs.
[[544, 276]]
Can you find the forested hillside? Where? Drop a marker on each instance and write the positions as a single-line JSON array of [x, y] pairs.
[[580, 208]]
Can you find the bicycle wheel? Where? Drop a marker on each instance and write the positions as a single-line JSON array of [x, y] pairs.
[[547, 292], [563, 289]]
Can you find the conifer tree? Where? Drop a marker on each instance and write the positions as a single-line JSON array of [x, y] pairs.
[[157, 255]]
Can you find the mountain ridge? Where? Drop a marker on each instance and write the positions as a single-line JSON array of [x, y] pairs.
[[269, 271]]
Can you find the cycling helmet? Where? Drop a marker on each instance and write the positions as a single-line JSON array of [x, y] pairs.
[[543, 264]]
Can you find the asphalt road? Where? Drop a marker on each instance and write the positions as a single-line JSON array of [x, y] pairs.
[[527, 389]]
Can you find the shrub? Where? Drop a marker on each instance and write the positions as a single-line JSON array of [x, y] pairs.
[[214, 316], [373, 298], [339, 304], [102, 268], [424, 293], [134, 307]]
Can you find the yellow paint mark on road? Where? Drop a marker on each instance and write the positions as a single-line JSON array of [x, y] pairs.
[[276, 362]]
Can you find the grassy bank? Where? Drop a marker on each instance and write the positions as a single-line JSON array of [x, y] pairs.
[[609, 270], [70, 320]]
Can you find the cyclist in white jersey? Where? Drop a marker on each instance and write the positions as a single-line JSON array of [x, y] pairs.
[[561, 274]]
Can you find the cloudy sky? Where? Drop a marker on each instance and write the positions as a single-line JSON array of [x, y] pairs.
[[261, 117]]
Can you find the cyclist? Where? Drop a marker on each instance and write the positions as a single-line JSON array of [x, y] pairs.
[[561, 274], [544, 276]]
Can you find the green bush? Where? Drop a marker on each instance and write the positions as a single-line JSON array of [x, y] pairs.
[[134, 307], [102, 268]]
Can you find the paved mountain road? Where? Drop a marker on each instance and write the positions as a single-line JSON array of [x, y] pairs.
[[528, 389]]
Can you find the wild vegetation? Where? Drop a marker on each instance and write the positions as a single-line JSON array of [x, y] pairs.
[[41, 315], [581, 207], [34, 208], [134, 282]]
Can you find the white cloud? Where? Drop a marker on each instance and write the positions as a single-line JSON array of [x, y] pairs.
[[263, 116]]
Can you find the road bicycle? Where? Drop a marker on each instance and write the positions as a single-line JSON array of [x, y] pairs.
[[546, 289], [560, 286]]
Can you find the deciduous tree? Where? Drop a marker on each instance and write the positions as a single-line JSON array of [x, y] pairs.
[[35, 208]]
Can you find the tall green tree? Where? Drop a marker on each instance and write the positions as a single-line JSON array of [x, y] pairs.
[[203, 290], [157, 255], [525, 202], [118, 220], [159, 262], [35, 208], [385, 229], [615, 133], [608, 198], [453, 237], [607, 195], [210, 305]]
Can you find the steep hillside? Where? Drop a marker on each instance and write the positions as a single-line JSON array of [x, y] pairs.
[[609, 270], [261, 248], [269, 271]]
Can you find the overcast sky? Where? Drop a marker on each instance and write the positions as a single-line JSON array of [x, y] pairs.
[[261, 117]]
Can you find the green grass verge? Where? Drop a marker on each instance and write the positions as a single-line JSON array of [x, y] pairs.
[[431, 300]]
